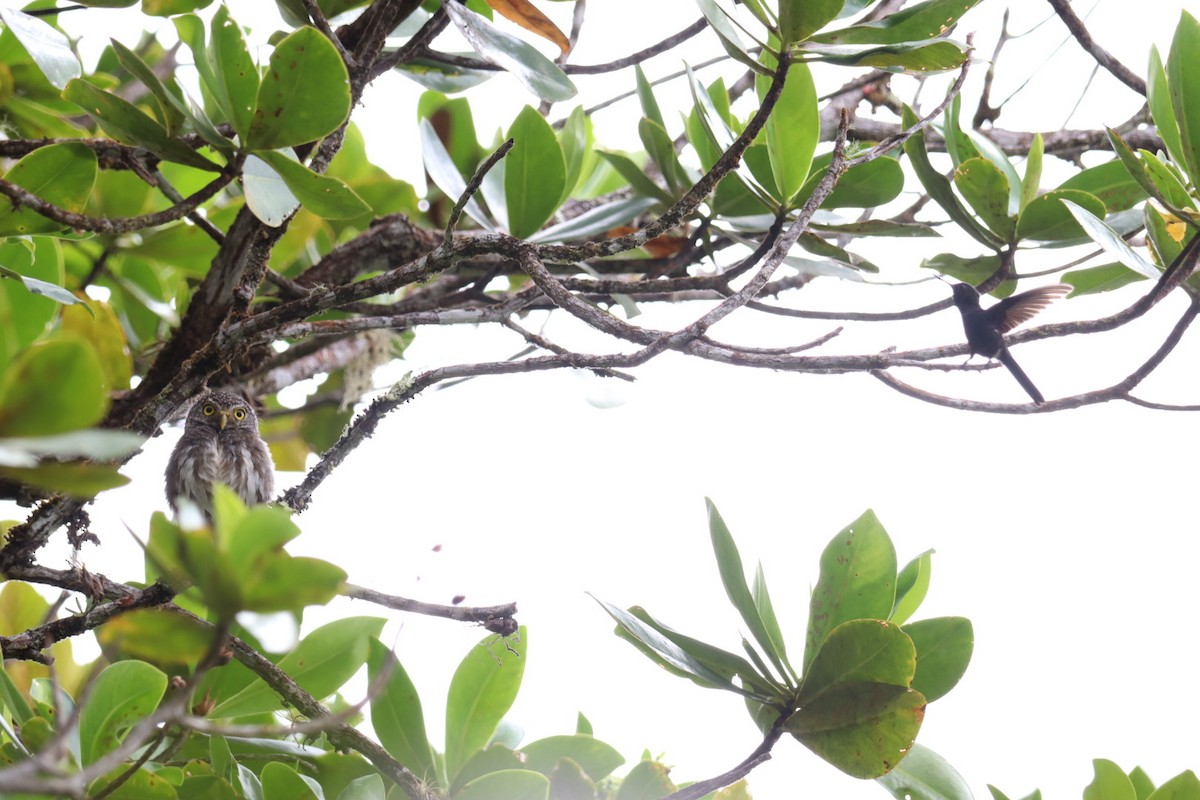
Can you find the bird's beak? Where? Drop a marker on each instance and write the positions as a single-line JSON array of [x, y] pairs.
[[224, 419]]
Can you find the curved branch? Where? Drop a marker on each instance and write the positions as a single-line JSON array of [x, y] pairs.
[[1103, 57]]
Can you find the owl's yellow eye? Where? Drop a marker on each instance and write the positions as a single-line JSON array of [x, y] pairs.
[[209, 409], [239, 414]]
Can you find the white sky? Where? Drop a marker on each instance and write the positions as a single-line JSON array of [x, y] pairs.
[[1068, 539]]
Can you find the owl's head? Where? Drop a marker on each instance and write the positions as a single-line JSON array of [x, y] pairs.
[[222, 411]]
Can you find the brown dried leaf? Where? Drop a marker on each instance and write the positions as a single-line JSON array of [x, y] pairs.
[[523, 13]]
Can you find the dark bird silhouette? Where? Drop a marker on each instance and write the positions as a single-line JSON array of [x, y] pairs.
[[985, 327]]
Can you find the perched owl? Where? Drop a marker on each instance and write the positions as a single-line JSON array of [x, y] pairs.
[[220, 443]]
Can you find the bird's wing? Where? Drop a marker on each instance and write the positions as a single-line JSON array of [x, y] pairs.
[[1011, 312]]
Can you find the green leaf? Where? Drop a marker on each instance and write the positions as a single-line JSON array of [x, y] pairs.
[[538, 74], [938, 187], [445, 174], [1161, 109], [322, 195], [169, 8], [128, 124], [792, 130], [396, 714], [1110, 240], [863, 729], [645, 93], [861, 650], [1185, 89], [304, 94], [986, 189], [868, 185], [596, 758], [878, 227], [656, 646], [661, 149], [1110, 182], [322, 661], [1095, 280], [733, 576], [944, 646], [648, 780], [52, 386], [17, 707], [493, 758], [47, 46], [911, 586], [728, 35], [267, 194], [1033, 171], [122, 694], [1110, 782], [637, 179], [76, 480], [1184, 786], [766, 612], [971, 270], [1047, 217], [928, 20], [166, 107], [857, 581], [1141, 783], [901, 57], [596, 220], [507, 784], [799, 19], [61, 174], [142, 784], [534, 173], [1166, 181], [368, 787], [282, 782], [574, 140], [237, 79], [56, 293], [156, 636], [924, 775], [481, 692]]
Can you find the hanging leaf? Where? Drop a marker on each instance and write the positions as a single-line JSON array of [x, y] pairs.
[[525, 14], [47, 46]]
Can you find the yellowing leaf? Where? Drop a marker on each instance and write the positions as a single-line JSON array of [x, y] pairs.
[[525, 14]]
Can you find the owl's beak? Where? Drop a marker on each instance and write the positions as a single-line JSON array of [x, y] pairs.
[[224, 419]]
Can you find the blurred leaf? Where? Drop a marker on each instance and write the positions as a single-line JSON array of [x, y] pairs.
[[534, 173], [121, 695], [142, 784], [727, 33], [56, 293], [76, 480], [1185, 90], [926, 20], [368, 787], [944, 646], [47, 46], [281, 781], [322, 661], [971, 270], [481, 692], [445, 174], [924, 775], [858, 651], [648, 780], [157, 636], [304, 65], [95, 322], [61, 174], [442, 77], [396, 714], [1141, 783], [799, 19], [596, 758], [537, 73], [1047, 217], [911, 586], [493, 758], [986, 189], [507, 784], [52, 386], [863, 729], [637, 179], [877, 227], [165, 106], [98, 445], [574, 139], [169, 8], [857, 581], [1184, 786], [268, 195]]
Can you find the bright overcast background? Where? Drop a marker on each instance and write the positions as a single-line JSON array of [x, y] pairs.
[[1067, 538]]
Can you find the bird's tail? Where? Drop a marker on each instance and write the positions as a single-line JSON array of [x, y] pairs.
[[1007, 360]]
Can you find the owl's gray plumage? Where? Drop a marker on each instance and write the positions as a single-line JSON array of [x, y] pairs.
[[220, 443]]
